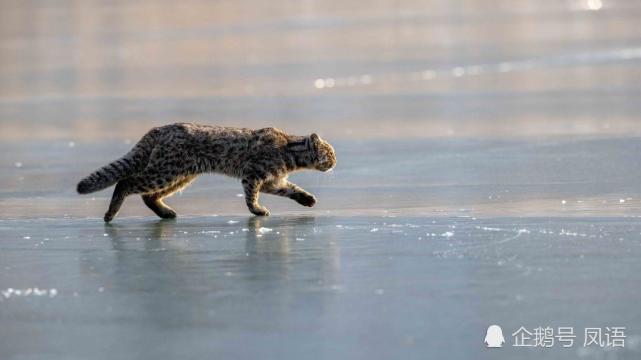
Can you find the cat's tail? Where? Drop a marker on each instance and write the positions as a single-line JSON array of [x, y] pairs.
[[135, 161]]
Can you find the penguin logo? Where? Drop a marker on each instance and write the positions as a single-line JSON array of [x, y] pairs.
[[494, 337]]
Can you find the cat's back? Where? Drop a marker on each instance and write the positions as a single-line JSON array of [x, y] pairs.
[[194, 131], [211, 140], [212, 134]]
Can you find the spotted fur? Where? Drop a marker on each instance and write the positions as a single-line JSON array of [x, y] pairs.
[[169, 158]]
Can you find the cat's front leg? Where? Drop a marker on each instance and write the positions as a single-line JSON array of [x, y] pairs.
[[290, 190], [301, 196], [304, 198], [252, 189]]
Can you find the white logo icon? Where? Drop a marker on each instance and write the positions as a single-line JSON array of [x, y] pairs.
[[494, 337]]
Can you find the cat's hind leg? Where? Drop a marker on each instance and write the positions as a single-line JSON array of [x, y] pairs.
[[154, 200], [155, 203], [118, 197], [147, 182]]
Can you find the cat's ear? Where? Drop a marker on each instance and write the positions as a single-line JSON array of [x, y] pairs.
[[314, 141]]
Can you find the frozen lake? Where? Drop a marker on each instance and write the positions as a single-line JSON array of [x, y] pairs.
[[488, 173], [314, 286]]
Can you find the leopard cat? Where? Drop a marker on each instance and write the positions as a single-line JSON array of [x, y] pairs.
[[168, 158]]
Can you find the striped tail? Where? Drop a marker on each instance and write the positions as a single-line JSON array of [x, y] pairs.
[[135, 161]]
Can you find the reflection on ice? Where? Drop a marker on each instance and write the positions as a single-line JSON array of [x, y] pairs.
[[331, 276]]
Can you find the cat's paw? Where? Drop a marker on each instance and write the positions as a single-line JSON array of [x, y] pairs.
[[305, 199], [259, 211], [167, 214], [108, 217]]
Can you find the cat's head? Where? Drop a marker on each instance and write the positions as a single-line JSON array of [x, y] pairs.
[[323, 154]]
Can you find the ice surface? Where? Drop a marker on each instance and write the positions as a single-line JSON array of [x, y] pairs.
[[178, 289]]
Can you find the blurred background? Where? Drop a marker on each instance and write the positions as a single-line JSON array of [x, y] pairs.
[[349, 69]]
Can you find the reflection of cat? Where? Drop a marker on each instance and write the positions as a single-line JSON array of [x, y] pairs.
[[168, 158]]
